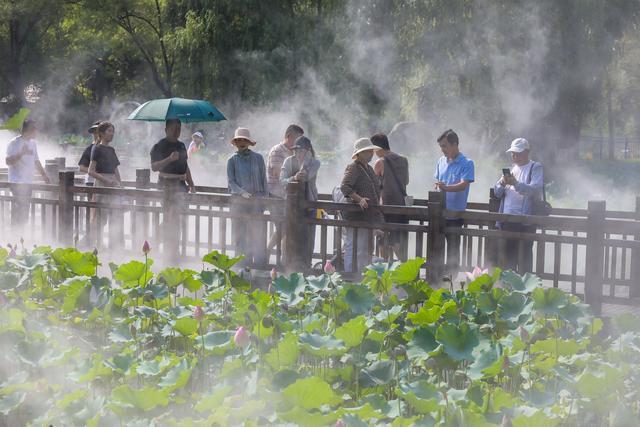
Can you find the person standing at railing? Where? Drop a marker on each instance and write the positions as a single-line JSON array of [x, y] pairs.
[[23, 161], [454, 174], [518, 190], [196, 144], [303, 167], [103, 167], [361, 185], [247, 179], [169, 158], [83, 166], [275, 160], [393, 170]]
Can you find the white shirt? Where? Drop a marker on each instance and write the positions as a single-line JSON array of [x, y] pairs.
[[23, 170], [514, 201]]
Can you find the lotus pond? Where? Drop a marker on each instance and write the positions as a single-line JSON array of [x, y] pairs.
[[179, 347]]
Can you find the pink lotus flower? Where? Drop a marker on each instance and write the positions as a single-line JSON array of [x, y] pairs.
[[477, 272], [198, 313], [329, 268], [340, 423], [274, 273], [12, 252], [146, 248], [241, 338]]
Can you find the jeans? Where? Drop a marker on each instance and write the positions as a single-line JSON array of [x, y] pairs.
[[364, 250], [20, 204]]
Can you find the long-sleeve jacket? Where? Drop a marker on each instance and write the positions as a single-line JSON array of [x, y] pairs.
[[246, 172], [292, 165], [361, 179], [530, 189]]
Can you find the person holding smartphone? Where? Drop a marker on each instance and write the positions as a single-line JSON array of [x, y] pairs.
[[517, 188]]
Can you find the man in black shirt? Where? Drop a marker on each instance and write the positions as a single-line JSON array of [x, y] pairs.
[[85, 159], [169, 157]]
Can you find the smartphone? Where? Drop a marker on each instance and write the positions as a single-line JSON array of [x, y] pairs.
[[506, 172]]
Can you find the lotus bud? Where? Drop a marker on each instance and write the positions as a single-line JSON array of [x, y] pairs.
[[525, 336], [505, 363], [133, 330], [146, 248], [329, 268], [241, 338], [267, 322], [274, 273], [340, 423], [198, 313], [95, 251], [22, 241], [12, 252]]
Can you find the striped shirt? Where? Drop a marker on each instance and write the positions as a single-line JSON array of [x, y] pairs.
[[276, 159]]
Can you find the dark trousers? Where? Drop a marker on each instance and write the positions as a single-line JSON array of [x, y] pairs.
[[453, 246], [20, 204], [518, 253]]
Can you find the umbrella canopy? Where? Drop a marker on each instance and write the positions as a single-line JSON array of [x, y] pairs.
[[187, 110]]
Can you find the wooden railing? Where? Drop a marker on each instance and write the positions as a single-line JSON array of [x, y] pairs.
[[593, 253]]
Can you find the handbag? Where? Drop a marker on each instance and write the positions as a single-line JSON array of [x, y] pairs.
[[408, 200], [539, 207]]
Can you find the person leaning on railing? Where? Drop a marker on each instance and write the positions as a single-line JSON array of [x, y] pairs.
[[22, 159], [169, 158], [517, 191]]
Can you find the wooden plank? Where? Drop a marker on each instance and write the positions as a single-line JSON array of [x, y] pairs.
[[323, 243]]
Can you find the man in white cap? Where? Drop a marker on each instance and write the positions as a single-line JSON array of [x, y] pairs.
[[362, 186], [517, 190]]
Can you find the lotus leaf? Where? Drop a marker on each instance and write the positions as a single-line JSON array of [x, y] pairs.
[[352, 332], [285, 353], [143, 399], [421, 395], [321, 345], [377, 374], [549, 301], [221, 261], [310, 393], [290, 288], [186, 326], [407, 271], [458, 341], [422, 343], [178, 376], [132, 273], [359, 298]]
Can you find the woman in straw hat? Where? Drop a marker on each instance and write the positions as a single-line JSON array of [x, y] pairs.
[[247, 178], [361, 185]]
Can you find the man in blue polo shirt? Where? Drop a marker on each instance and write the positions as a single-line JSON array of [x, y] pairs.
[[454, 173]]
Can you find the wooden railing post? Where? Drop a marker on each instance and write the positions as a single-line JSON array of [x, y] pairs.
[[594, 275], [52, 168], [435, 238], [171, 223], [492, 246], [634, 290], [143, 178], [65, 206], [294, 229]]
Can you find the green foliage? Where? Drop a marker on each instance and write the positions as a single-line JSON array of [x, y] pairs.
[[130, 350]]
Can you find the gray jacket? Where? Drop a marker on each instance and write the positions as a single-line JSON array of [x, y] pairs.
[[291, 166]]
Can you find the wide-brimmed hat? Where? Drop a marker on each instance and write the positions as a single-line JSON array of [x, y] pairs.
[[242, 133], [302, 142], [518, 145], [363, 144]]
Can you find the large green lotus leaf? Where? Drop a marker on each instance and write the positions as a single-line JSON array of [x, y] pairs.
[[359, 298], [153, 367], [512, 305], [186, 326], [221, 261], [213, 400], [559, 346], [178, 376], [482, 366], [172, 276], [458, 341], [143, 399], [120, 363], [502, 399], [76, 293], [314, 322], [321, 345], [353, 420], [388, 408], [389, 315], [488, 301], [310, 393], [10, 402], [422, 343], [29, 262], [290, 288], [426, 315], [9, 280], [301, 417], [407, 271], [378, 278], [12, 321], [4, 254], [72, 397], [352, 332], [285, 353], [549, 301], [364, 412], [132, 273], [319, 283], [377, 374], [423, 396], [526, 283], [594, 384], [79, 263], [575, 313], [483, 283], [535, 418], [121, 334], [91, 369], [217, 342]]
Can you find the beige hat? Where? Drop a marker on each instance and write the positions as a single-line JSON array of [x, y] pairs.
[[243, 133], [363, 144]]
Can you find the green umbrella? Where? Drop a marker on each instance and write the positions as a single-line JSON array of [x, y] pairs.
[[187, 110], [15, 122]]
